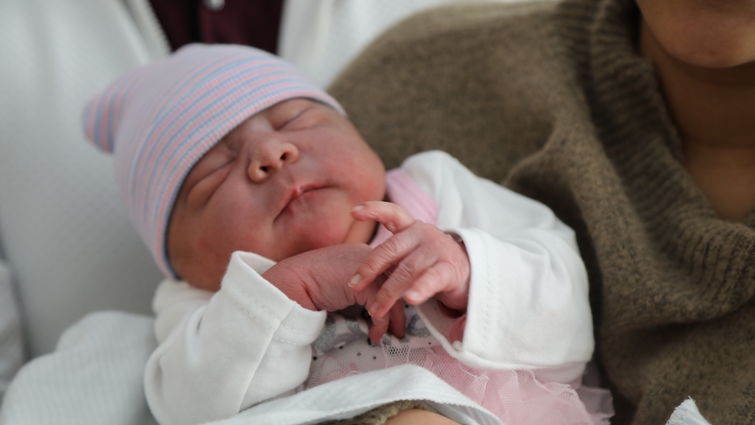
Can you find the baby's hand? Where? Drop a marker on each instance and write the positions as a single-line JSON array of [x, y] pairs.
[[422, 260], [317, 280]]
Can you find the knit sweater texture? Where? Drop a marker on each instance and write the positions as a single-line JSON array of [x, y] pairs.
[[553, 100]]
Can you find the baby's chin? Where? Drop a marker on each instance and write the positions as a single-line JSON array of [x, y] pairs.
[[360, 232], [205, 273], [208, 280]]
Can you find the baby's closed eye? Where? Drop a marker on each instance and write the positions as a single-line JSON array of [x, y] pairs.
[[208, 174]]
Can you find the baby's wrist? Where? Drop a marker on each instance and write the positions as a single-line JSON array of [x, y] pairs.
[[290, 286], [456, 301], [455, 236], [460, 243], [302, 298]]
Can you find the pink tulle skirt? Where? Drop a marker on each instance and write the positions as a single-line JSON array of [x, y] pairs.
[[517, 397]]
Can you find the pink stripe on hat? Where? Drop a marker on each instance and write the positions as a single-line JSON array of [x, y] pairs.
[[158, 121]]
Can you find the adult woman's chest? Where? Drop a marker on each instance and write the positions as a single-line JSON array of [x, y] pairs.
[[726, 178]]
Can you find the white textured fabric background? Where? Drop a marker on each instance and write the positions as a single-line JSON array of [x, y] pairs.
[[11, 341], [65, 235], [94, 377]]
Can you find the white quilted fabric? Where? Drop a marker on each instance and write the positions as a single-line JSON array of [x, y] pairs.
[[65, 235], [93, 378], [11, 349]]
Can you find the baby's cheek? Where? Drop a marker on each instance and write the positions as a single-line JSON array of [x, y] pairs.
[[329, 231], [327, 223], [360, 232]]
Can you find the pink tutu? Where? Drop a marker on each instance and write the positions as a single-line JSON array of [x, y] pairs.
[[520, 398], [517, 397]]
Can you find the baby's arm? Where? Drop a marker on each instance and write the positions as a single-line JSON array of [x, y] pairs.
[[528, 294], [223, 352], [250, 341], [317, 280]]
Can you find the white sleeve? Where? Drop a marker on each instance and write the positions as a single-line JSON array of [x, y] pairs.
[[528, 302], [221, 353]]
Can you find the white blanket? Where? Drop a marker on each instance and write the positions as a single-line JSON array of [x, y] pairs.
[[95, 375]]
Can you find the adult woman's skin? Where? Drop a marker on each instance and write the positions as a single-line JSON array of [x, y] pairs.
[[704, 53], [634, 121]]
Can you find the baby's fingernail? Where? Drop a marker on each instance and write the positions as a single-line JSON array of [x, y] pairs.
[[374, 310], [412, 295], [358, 207], [354, 280]]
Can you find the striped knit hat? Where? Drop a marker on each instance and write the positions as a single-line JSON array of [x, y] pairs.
[[158, 120]]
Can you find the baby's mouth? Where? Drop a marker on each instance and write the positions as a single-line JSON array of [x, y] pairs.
[[296, 193]]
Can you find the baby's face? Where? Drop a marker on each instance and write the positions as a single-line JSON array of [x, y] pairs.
[[281, 183]]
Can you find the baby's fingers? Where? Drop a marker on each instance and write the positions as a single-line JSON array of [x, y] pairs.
[[398, 320], [390, 215], [433, 280], [383, 258], [402, 279], [395, 321], [378, 329]]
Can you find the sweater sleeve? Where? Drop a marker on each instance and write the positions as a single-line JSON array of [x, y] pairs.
[[528, 302], [221, 353]]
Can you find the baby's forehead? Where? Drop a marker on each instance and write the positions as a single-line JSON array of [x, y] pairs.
[[261, 120], [276, 115]]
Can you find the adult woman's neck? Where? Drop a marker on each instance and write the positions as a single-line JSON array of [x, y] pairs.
[[714, 110]]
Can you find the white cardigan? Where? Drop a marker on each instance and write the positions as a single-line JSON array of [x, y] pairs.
[[528, 309]]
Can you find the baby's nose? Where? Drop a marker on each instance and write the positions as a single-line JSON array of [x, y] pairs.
[[271, 156]]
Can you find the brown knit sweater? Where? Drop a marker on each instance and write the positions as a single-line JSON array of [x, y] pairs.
[[554, 101]]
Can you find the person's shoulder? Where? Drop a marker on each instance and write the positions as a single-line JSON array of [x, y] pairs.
[[482, 81], [458, 41], [459, 17], [469, 19]]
